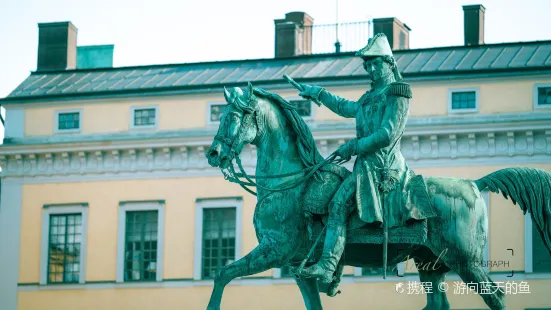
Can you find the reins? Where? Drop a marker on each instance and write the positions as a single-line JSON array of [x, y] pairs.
[[235, 177]]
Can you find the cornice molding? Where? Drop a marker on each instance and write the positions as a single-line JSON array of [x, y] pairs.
[[180, 159]]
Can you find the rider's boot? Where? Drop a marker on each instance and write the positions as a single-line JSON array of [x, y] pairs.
[[333, 288], [332, 251]]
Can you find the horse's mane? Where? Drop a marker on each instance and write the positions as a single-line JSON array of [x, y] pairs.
[[307, 149]]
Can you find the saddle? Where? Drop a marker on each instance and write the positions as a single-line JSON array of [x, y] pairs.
[[319, 193]]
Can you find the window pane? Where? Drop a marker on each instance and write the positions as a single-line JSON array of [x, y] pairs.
[[304, 107], [144, 117], [372, 271], [544, 95], [141, 246], [68, 120], [286, 272], [541, 260], [218, 239], [64, 248], [216, 111], [463, 100]]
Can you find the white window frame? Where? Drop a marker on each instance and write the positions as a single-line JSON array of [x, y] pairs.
[[400, 267], [144, 107], [461, 111], [56, 209], [56, 121], [486, 196], [535, 96], [125, 206], [209, 105], [202, 204], [528, 259], [312, 107]]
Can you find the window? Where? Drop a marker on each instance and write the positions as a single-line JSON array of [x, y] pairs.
[[463, 100], [68, 121], [374, 271], [218, 240], [542, 96], [303, 107], [218, 235], [144, 117], [140, 241], [215, 112], [541, 262], [284, 272], [63, 249], [140, 253]]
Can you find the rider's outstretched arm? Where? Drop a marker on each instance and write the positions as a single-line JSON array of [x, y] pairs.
[[341, 106]]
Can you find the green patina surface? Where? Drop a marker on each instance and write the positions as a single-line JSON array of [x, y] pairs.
[[291, 177]]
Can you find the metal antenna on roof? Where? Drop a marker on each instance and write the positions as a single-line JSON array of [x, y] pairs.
[[337, 43]]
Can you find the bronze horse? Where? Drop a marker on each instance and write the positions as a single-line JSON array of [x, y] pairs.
[[290, 168]]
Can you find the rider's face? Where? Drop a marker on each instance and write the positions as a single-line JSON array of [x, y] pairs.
[[375, 67]]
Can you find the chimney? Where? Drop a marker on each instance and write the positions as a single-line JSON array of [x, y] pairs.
[[293, 35], [473, 24], [95, 56], [396, 32], [57, 46]]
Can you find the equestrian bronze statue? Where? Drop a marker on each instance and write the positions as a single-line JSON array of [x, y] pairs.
[[317, 216]]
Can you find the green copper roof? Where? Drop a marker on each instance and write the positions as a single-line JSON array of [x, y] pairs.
[[531, 56]]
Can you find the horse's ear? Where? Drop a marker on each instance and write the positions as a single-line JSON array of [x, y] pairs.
[[227, 95], [250, 90]]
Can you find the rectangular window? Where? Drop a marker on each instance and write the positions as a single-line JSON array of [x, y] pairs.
[[145, 117], [286, 272], [464, 100], [303, 107], [544, 96], [68, 121], [219, 240], [541, 262], [140, 255], [64, 245], [374, 271], [216, 111]]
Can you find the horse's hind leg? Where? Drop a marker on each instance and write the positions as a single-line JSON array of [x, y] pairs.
[[310, 292], [435, 275], [263, 257], [493, 296]]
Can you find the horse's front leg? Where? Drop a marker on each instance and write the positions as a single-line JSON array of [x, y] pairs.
[[265, 256]]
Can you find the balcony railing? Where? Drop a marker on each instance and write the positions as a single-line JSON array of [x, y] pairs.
[[343, 37]]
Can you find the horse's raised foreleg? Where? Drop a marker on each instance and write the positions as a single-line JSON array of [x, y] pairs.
[[265, 256], [310, 292]]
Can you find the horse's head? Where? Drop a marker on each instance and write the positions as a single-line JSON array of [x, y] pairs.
[[238, 127]]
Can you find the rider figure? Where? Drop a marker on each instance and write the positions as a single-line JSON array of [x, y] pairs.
[[380, 170]]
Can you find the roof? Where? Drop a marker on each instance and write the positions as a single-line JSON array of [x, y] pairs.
[[489, 58]]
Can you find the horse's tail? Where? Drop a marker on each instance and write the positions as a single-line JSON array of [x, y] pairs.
[[530, 188]]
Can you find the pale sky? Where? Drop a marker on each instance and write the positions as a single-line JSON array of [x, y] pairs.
[[180, 31]]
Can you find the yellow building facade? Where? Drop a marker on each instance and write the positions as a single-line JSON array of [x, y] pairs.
[[108, 202]]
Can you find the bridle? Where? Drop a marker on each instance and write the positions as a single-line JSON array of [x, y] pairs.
[[234, 177]]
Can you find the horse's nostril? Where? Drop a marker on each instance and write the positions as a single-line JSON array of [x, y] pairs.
[[213, 153]]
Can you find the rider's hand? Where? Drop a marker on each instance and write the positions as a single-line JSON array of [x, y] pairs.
[[311, 92], [346, 151]]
